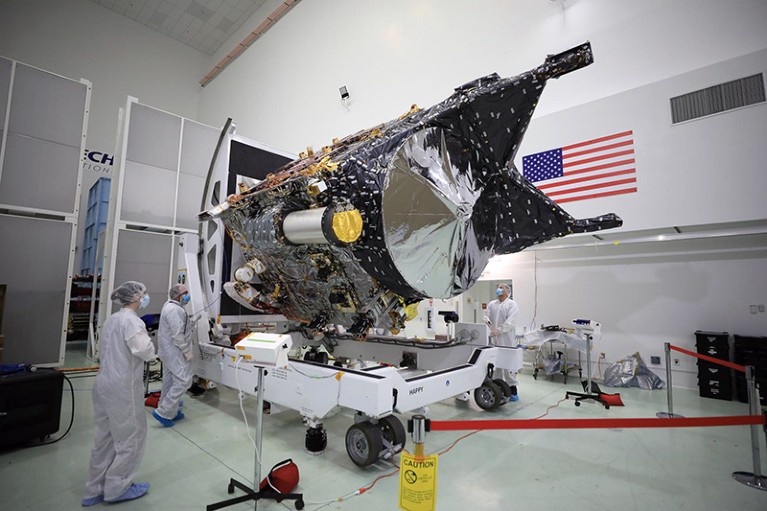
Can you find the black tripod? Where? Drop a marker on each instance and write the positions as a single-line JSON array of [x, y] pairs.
[[250, 493], [589, 388], [255, 495]]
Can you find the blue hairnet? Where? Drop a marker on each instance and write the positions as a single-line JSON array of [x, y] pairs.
[[176, 291], [129, 292]]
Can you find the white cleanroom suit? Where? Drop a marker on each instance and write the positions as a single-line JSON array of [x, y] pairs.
[[118, 405], [174, 343], [500, 317]]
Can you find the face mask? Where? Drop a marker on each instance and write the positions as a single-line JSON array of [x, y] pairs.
[[185, 299], [144, 302], [498, 292]]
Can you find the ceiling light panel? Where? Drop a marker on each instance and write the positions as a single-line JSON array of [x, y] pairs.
[[202, 24]]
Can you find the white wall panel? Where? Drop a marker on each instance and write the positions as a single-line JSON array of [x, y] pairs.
[[145, 257], [148, 194], [40, 95], [40, 177], [34, 265], [154, 137], [199, 143], [160, 181], [39, 174]]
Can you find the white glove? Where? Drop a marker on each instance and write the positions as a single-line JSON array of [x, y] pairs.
[[188, 356], [495, 332]]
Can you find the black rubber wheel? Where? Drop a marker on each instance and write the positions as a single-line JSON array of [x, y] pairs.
[[299, 504], [577, 403], [363, 443], [393, 431], [535, 374], [316, 439], [505, 388], [488, 396], [607, 407]]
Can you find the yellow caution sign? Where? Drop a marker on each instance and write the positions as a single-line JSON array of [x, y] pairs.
[[418, 482]]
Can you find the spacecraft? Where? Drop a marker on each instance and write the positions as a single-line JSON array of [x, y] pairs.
[[357, 233]]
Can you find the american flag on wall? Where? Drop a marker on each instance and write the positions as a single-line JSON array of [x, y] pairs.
[[595, 168]]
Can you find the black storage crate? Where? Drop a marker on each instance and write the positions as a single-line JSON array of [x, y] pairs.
[[711, 369], [713, 344], [751, 351], [30, 405], [714, 380], [715, 392], [741, 389], [745, 342]]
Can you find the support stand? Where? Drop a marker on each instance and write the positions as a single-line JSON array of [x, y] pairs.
[[670, 414], [753, 479], [252, 494], [588, 394]]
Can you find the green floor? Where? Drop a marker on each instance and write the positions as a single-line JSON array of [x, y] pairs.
[[189, 465]]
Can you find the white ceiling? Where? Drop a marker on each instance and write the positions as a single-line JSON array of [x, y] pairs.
[[202, 24]]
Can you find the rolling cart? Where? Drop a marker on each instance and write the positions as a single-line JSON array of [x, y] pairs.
[[551, 357]]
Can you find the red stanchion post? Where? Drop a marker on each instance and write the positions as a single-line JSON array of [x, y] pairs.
[[753, 479], [669, 391]]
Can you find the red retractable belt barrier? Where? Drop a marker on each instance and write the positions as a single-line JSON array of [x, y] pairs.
[[682, 422], [719, 361]]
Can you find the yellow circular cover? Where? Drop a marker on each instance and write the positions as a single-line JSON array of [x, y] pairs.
[[347, 225]]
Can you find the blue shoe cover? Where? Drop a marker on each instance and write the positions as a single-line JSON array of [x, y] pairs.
[[134, 491], [180, 415], [514, 397], [92, 501], [181, 404], [162, 420]]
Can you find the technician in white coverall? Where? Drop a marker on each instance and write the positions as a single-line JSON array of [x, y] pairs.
[[499, 317], [174, 342], [118, 401]]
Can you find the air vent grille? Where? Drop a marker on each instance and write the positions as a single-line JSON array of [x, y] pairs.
[[719, 98]]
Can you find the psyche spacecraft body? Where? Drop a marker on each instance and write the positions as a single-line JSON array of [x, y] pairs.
[[358, 233]]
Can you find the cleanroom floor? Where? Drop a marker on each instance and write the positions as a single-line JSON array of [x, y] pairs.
[[190, 465]]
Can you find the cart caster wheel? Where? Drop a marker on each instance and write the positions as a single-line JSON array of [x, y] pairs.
[[535, 374], [607, 407], [577, 403], [299, 504], [230, 488], [488, 396], [565, 380], [316, 439]]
